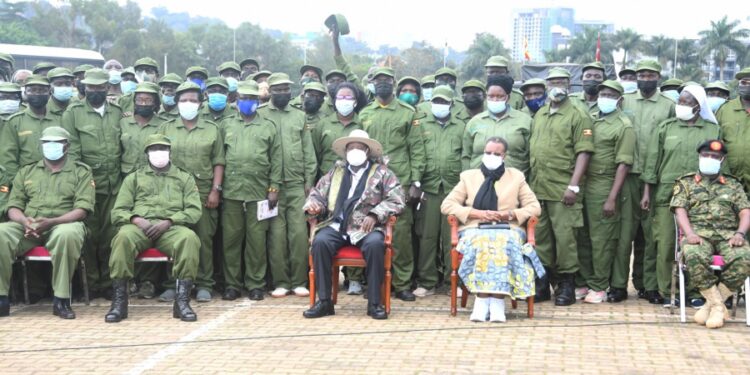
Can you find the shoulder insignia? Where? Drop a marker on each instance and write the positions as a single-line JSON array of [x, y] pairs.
[[4, 189], [25, 133], [415, 123], [587, 132], [677, 188], [82, 164], [127, 114]]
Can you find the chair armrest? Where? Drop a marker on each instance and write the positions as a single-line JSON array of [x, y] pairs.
[[312, 222], [389, 230], [531, 230], [453, 222]]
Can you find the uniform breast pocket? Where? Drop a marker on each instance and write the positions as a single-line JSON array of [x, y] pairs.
[[66, 189], [672, 142]]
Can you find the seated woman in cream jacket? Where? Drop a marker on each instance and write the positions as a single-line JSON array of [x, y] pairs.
[[492, 203]]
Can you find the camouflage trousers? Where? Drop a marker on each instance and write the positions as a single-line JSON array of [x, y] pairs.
[[698, 259]]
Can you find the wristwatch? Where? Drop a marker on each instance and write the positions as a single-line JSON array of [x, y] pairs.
[[574, 189], [218, 188], [417, 184]]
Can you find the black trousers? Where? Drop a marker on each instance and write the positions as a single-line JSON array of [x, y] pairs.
[[327, 243]]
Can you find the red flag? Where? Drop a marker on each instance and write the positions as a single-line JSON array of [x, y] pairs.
[[526, 54], [598, 47]]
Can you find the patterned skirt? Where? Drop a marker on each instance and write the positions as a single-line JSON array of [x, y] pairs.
[[498, 261]]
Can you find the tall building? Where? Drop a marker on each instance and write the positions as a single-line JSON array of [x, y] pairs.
[[534, 26]]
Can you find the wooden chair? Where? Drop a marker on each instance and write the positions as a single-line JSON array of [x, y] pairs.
[[456, 261], [41, 254], [351, 256]]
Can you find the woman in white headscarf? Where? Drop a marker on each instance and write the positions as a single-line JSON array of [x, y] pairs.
[[671, 154]]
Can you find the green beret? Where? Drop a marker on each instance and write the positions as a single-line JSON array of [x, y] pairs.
[[43, 65], [428, 80], [713, 145], [474, 83], [305, 68], [171, 78], [496, 62], [217, 81], [196, 69], [672, 82], [446, 71], [129, 70], [156, 139], [534, 82], [186, 87], [59, 72], [408, 79], [54, 134], [339, 21], [38, 80], [279, 79], [82, 68], [334, 72], [718, 85], [249, 61], [382, 70], [147, 88], [651, 65], [614, 85], [248, 88], [626, 71], [443, 92], [8, 58], [558, 72], [146, 61], [594, 65], [315, 86], [9, 87], [744, 73], [229, 65], [262, 73]]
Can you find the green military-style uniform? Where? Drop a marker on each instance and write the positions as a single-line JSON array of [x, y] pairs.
[[713, 206], [172, 114], [579, 99], [443, 144], [38, 192], [5, 181], [556, 140], [328, 130], [312, 119], [133, 135], [254, 161], [215, 116], [514, 126], [395, 127], [19, 139], [9, 88], [734, 120], [671, 154], [289, 247]]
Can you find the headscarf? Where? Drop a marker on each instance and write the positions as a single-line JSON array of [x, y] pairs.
[[700, 96]]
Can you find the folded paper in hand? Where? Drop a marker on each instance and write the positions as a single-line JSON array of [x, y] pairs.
[[264, 212]]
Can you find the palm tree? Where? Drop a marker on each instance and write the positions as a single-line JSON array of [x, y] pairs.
[[629, 41], [483, 46], [722, 38], [661, 47], [582, 47]]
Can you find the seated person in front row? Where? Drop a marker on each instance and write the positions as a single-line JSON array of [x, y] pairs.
[[155, 205], [491, 203], [49, 201], [713, 213], [354, 200]]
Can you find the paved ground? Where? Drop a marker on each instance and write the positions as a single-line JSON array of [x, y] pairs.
[[271, 336]]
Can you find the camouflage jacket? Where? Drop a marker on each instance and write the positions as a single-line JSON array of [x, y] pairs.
[[382, 197], [713, 205]]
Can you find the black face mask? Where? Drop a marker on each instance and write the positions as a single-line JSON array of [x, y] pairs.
[[280, 101], [96, 98], [332, 89], [81, 88], [143, 110], [312, 105], [743, 92], [473, 101], [591, 86], [384, 90], [37, 101], [647, 86]]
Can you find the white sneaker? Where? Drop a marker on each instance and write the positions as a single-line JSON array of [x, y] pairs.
[[595, 297], [279, 292], [422, 292], [481, 308], [497, 310], [582, 292], [301, 291], [355, 288]]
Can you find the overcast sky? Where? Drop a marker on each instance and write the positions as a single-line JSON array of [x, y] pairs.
[[457, 22]]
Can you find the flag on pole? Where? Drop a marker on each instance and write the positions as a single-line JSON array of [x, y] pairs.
[[598, 47], [445, 54], [526, 54]]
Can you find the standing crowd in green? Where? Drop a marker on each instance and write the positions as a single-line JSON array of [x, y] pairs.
[[602, 162]]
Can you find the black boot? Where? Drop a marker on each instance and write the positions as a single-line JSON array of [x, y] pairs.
[[542, 287], [181, 308], [119, 308], [567, 294], [4, 306], [61, 307], [320, 309], [376, 311]]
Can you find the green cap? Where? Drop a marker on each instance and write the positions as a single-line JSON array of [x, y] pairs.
[[171, 78], [196, 69], [626, 71], [428, 79], [744, 73], [339, 22], [279, 79], [187, 86], [718, 85], [43, 65], [672, 82], [54, 133], [651, 65], [473, 83], [713, 145], [7, 57], [383, 71], [534, 82], [38, 80], [334, 72], [147, 88], [9, 87], [558, 72], [156, 139], [59, 72], [146, 61], [594, 65], [248, 88], [408, 79], [305, 68], [442, 92], [448, 71], [129, 70], [249, 61], [82, 68], [614, 85], [217, 81], [229, 65], [262, 73], [315, 86], [496, 62]]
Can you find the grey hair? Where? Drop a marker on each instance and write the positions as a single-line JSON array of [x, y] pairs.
[[499, 140]]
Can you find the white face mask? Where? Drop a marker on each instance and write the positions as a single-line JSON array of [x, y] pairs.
[[9, 106], [492, 161], [356, 157], [441, 110], [345, 106], [709, 166], [158, 159], [683, 112], [188, 110]]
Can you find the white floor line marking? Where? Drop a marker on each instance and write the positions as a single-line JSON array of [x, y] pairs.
[[171, 349]]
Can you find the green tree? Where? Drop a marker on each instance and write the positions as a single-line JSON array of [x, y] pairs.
[[660, 47], [582, 47], [20, 33], [629, 41], [483, 46], [61, 26], [720, 39], [420, 60]]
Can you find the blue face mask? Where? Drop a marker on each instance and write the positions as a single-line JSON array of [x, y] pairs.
[[427, 94], [714, 102], [217, 101], [168, 100], [629, 86], [62, 93], [496, 107], [606, 105], [52, 150], [247, 106], [232, 83], [199, 82], [535, 104], [127, 87], [672, 94]]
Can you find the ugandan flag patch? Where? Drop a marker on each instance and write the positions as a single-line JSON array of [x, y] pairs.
[[4, 189], [587, 132]]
